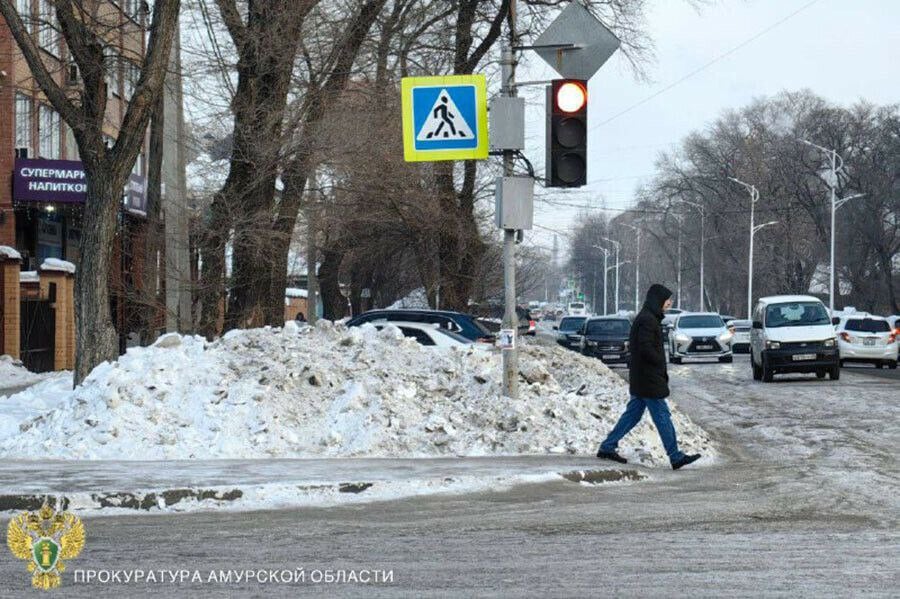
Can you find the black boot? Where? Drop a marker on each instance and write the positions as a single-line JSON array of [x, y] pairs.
[[611, 455], [684, 461]]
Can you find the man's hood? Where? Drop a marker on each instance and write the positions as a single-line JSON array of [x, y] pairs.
[[656, 297]]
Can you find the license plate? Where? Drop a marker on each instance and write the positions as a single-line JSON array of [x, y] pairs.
[[869, 341], [704, 347], [799, 357], [610, 357]]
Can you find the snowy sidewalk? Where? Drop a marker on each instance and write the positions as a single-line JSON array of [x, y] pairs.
[[263, 484]]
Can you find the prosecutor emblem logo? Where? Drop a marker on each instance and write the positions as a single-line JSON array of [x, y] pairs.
[[44, 539]]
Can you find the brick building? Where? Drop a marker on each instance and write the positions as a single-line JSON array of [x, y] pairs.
[[42, 186]]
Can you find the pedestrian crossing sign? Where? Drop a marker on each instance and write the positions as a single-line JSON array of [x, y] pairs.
[[444, 118]]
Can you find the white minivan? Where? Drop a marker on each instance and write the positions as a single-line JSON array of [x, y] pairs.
[[792, 333], [576, 309]]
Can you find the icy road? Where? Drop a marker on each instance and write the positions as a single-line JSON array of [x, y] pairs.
[[803, 502]]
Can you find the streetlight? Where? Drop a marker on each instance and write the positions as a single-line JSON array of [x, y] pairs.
[[754, 197], [835, 204], [702, 244], [618, 245], [637, 267], [605, 273], [680, 219]]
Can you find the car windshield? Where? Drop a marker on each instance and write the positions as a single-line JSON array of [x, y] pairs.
[[796, 314], [867, 325], [706, 321], [608, 327], [571, 324]]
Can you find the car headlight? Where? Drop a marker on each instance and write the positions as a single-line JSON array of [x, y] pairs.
[[625, 345], [772, 345], [682, 338], [828, 342]]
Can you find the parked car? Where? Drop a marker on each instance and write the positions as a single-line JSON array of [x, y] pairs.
[[527, 324], [726, 318], [431, 335], [869, 339], [457, 322], [668, 320], [793, 333], [740, 335], [699, 335], [576, 309], [606, 337], [569, 331]]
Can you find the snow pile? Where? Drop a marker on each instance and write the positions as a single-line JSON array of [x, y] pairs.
[[9, 253], [56, 264], [14, 374], [333, 391]]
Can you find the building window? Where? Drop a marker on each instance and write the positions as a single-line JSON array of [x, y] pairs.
[[132, 72], [23, 7], [23, 123], [113, 80], [47, 37], [49, 133]]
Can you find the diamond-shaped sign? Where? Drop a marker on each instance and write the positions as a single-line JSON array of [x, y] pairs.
[[594, 43]]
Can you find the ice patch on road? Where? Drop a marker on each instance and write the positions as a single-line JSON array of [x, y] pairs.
[[329, 391]]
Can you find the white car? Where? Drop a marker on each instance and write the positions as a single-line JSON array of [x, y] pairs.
[[740, 331], [792, 333], [699, 335], [869, 339], [430, 335], [576, 309]]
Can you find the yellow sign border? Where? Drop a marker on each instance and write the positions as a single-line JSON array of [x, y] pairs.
[[410, 153]]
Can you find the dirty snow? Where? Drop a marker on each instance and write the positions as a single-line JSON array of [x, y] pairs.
[[330, 391]]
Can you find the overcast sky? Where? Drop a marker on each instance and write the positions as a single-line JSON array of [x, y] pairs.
[[840, 49]]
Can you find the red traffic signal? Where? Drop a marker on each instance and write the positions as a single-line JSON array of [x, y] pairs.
[[566, 161]]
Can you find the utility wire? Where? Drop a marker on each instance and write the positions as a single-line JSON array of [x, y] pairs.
[[705, 66]]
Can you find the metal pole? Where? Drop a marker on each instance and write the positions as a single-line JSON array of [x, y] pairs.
[[702, 246], [617, 278], [605, 278], [833, 186], [750, 269], [679, 265], [510, 357], [637, 272]]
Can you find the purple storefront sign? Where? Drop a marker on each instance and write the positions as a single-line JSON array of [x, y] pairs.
[[36, 180]]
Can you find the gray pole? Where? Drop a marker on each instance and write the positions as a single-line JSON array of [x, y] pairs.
[[617, 278], [510, 357], [312, 276], [833, 186], [605, 278], [702, 244], [637, 273], [750, 268], [679, 265]]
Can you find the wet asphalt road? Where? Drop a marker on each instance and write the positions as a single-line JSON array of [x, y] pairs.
[[804, 502]]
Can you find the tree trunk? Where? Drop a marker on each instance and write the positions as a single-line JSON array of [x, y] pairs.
[[334, 304], [212, 271], [96, 337]]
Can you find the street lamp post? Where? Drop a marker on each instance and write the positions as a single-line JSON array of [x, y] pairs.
[[605, 273], [837, 164], [702, 249], [618, 246], [754, 197], [637, 267]]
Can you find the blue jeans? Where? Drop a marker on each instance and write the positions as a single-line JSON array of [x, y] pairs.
[[662, 418]]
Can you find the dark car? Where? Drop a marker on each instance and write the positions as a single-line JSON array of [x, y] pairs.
[[607, 338], [568, 332], [494, 323], [457, 322]]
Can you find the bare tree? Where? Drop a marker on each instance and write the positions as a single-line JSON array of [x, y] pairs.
[[106, 168]]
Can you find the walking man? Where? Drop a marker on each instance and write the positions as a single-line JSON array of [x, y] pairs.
[[648, 382]]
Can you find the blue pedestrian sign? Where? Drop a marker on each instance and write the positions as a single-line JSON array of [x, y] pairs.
[[444, 118]]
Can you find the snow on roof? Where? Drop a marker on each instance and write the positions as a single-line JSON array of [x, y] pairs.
[[55, 264], [295, 292], [29, 276], [9, 253]]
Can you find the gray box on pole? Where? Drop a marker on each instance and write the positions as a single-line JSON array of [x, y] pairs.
[[507, 123], [514, 201]]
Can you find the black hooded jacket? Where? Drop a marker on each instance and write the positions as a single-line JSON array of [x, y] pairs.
[[648, 377]]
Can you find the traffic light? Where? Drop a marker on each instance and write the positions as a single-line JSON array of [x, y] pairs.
[[566, 163]]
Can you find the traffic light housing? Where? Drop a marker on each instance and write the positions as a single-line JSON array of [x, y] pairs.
[[566, 163]]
